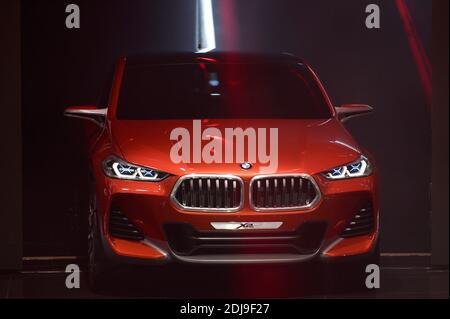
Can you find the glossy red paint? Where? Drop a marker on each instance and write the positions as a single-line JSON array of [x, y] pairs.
[[305, 146]]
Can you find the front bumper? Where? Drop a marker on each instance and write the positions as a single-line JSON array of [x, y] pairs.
[[149, 207]]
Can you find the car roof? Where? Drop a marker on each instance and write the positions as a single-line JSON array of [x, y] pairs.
[[210, 57]]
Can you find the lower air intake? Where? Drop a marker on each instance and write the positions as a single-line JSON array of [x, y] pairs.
[[121, 227], [361, 224], [185, 240]]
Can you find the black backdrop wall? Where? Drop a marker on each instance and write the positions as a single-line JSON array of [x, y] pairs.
[[63, 67], [10, 130]]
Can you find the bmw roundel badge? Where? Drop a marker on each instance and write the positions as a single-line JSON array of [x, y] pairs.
[[246, 165]]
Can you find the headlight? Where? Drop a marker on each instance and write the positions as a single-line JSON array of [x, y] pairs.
[[361, 167], [118, 168]]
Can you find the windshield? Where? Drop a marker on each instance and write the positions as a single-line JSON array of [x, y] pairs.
[[220, 90]]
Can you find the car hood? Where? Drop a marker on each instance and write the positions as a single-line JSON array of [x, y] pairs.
[[304, 146]]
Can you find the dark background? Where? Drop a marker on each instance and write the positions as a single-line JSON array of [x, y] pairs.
[[62, 67], [10, 130], [439, 123]]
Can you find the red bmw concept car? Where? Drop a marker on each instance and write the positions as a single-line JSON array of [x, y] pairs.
[[225, 158]]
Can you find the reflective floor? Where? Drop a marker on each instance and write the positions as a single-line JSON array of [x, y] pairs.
[[397, 281]]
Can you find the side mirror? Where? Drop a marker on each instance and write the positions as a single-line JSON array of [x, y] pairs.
[[89, 112], [346, 111]]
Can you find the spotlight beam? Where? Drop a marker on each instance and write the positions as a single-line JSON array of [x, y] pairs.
[[421, 59], [205, 33]]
